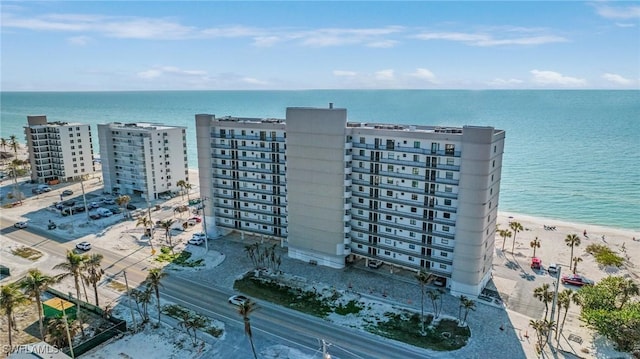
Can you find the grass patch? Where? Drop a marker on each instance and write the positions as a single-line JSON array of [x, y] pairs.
[[306, 302], [27, 253], [181, 258], [120, 287], [446, 335], [405, 326], [604, 255], [180, 313], [351, 308]]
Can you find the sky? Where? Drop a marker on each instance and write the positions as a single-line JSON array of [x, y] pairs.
[[292, 45]]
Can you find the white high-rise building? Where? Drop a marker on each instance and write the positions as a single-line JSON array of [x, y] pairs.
[[143, 159], [413, 197], [58, 151]]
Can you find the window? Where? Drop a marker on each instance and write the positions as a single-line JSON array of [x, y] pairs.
[[414, 184], [361, 152], [412, 222], [447, 202], [449, 149], [444, 254], [494, 163], [390, 168], [391, 155], [389, 205], [412, 235], [415, 171], [390, 193], [414, 197], [446, 215], [388, 230], [450, 162], [416, 144], [362, 140], [444, 241], [448, 189], [414, 210], [416, 158], [445, 228], [412, 246], [388, 217], [443, 266], [387, 253]]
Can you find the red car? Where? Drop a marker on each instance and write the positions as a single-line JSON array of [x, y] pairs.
[[196, 219], [575, 279]]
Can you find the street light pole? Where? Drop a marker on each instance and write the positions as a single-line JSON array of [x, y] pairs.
[[553, 306], [204, 224]]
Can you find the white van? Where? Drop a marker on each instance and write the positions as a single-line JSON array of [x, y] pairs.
[[44, 188], [104, 212]]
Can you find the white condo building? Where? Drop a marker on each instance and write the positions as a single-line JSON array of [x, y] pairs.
[[58, 151], [413, 197], [142, 159]]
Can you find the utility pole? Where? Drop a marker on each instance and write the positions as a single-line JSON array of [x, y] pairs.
[[66, 326], [553, 306], [151, 226], [84, 199], [325, 353], [133, 317]]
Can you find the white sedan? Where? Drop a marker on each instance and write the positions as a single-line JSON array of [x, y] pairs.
[[196, 240], [238, 299], [83, 246], [20, 225]]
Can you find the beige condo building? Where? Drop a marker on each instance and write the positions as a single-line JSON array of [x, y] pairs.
[[333, 191], [58, 151]]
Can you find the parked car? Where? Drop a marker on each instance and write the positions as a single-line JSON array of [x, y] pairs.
[[95, 216], [199, 235], [108, 201], [552, 268], [67, 192], [69, 203], [104, 212], [375, 264], [195, 219], [77, 209], [44, 188], [196, 241], [576, 279], [131, 207], [439, 282], [238, 299], [93, 205], [36, 191], [83, 246], [20, 225]]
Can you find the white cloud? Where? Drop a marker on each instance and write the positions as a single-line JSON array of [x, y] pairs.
[[486, 39], [159, 71], [424, 74], [617, 79], [625, 24], [385, 75], [546, 78], [254, 81], [79, 40], [498, 82], [344, 73], [617, 12]]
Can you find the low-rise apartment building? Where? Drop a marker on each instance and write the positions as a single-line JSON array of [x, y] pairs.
[[414, 197]]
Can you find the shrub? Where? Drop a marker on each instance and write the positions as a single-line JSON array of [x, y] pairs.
[[604, 255]]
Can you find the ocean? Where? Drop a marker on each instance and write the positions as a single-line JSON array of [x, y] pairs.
[[569, 155]]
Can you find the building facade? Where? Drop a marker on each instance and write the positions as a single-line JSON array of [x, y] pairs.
[[413, 197], [143, 159], [58, 151]]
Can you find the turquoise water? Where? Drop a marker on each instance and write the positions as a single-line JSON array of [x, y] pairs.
[[571, 155]]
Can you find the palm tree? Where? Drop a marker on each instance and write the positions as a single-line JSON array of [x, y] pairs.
[[542, 328], [122, 201], [57, 331], [13, 144], [572, 240], [10, 298], [3, 143], [628, 288], [33, 285], [182, 184], [166, 225], [468, 305], [535, 244], [504, 233], [516, 227], [152, 281], [576, 260], [143, 297], [565, 298], [94, 273], [146, 223], [424, 278], [544, 295], [73, 266], [434, 296], [244, 310]]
